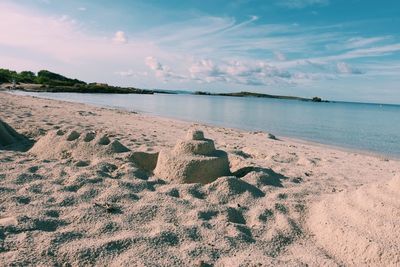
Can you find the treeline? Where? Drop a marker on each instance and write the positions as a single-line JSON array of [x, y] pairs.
[[44, 77], [54, 82], [93, 88]]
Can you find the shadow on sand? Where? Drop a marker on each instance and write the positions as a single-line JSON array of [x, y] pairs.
[[269, 177], [11, 140]]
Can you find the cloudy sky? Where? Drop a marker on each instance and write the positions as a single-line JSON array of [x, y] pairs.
[[336, 49]]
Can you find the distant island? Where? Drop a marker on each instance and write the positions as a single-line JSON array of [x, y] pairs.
[[251, 94], [47, 81]]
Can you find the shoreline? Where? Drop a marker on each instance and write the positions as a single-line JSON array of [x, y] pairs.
[[281, 137], [289, 138]]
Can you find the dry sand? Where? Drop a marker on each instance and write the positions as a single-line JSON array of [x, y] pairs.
[[84, 194]]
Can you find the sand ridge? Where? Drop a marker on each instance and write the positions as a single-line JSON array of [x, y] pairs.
[[94, 205]]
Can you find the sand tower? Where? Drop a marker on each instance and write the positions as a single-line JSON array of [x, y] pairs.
[[194, 160]]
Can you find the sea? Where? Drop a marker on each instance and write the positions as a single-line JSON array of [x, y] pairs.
[[360, 126]]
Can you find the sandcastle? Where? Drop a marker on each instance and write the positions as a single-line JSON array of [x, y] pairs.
[[72, 144], [8, 136], [194, 160]]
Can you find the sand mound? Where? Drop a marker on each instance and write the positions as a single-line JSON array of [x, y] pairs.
[[81, 146], [144, 160], [362, 227], [193, 160], [8, 136], [226, 188]]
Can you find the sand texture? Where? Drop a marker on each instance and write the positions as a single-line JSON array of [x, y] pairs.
[[83, 191], [362, 227]]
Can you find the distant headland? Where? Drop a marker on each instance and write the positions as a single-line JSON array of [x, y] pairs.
[[47, 81], [251, 94]]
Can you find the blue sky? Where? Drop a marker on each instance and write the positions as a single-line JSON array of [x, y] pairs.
[[339, 50]]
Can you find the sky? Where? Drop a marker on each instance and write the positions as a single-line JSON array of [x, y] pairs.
[[335, 49]]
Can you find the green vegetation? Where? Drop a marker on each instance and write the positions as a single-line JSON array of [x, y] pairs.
[[94, 88], [54, 79], [53, 82], [43, 77], [26, 77], [7, 75]]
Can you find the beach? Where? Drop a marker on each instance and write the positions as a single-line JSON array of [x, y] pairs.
[[79, 189]]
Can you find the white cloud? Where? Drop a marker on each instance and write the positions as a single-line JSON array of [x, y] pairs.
[[35, 41], [250, 73], [279, 56], [131, 73], [82, 8], [361, 53], [120, 37], [161, 71], [375, 51], [204, 50], [344, 68], [390, 68], [126, 73], [66, 19], [358, 42], [153, 64], [301, 3]]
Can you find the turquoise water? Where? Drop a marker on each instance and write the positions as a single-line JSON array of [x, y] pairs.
[[370, 127]]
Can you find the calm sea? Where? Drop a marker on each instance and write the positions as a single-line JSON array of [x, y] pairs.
[[370, 127]]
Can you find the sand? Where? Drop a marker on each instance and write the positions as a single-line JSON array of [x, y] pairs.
[[362, 227], [85, 194]]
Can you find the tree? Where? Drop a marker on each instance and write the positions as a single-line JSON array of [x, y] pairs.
[[55, 79], [26, 77], [7, 75]]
